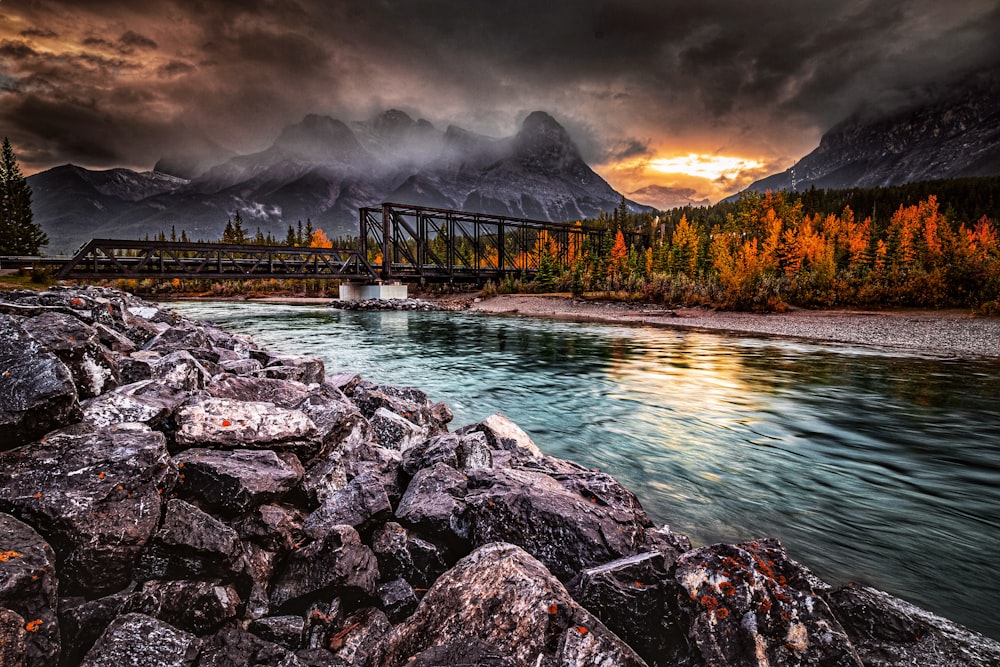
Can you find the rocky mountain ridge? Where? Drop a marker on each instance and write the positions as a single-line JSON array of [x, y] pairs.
[[324, 169], [953, 133]]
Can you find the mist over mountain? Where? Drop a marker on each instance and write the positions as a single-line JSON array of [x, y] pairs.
[[664, 198], [952, 132], [324, 169]]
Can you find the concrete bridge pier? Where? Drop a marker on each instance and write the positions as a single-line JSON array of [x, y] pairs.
[[361, 291]]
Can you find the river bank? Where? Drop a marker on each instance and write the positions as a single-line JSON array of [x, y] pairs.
[[947, 333]]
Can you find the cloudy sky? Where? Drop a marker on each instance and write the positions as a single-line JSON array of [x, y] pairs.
[[706, 95]]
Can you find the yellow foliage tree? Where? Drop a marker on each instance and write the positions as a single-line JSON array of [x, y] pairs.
[[320, 240]]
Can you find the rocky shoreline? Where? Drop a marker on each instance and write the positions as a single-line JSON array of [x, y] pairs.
[[174, 495]]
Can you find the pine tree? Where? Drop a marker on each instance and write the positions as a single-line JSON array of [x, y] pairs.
[[239, 232], [290, 237], [19, 234]]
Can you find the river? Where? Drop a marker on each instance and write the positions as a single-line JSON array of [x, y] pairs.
[[870, 465]]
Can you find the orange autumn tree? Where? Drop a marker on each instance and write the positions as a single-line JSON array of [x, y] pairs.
[[320, 240], [619, 253]]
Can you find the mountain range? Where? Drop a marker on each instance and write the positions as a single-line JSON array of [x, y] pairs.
[[952, 132], [324, 169]]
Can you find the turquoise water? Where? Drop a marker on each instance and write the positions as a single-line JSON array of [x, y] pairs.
[[868, 465]]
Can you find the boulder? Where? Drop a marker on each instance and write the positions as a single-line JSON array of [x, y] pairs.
[[751, 604], [189, 530], [230, 647], [337, 420], [394, 431], [273, 527], [397, 599], [37, 393], [361, 635], [286, 631], [434, 502], [441, 448], [82, 622], [13, 648], [235, 481], [223, 422], [503, 434], [179, 370], [506, 603], [136, 639], [94, 494], [359, 504], [468, 651], [150, 402], [28, 588], [402, 554], [565, 530], [887, 631], [93, 369], [337, 563], [183, 336], [282, 393], [196, 606], [307, 370]]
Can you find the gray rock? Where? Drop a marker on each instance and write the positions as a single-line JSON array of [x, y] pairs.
[[363, 631], [397, 599], [435, 502], [195, 606], [94, 371], [402, 554], [359, 504], [273, 527], [224, 422], [37, 393], [235, 481], [150, 402], [503, 597], [180, 370], [565, 530], [286, 631], [12, 638], [442, 448], [887, 631], [230, 647], [240, 366], [94, 494], [750, 603], [502, 433], [307, 370], [136, 639], [282, 393], [187, 528], [28, 588], [394, 431], [337, 563], [82, 622], [183, 336]]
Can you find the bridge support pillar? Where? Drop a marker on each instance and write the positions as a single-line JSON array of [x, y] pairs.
[[363, 291]]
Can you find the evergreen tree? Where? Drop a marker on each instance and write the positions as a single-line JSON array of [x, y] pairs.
[[290, 237], [19, 234], [228, 234], [300, 239], [239, 232]]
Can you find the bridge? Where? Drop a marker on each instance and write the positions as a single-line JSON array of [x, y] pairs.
[[397, 242]]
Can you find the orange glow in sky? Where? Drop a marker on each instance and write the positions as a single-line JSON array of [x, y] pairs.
[[704, 166]]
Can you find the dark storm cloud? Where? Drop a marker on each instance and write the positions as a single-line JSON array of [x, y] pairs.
[[627, 78]]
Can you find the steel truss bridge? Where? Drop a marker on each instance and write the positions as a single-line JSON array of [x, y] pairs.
[[397, 242]]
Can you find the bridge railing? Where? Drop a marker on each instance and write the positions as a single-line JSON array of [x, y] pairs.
[[407, 241], [117, 258]]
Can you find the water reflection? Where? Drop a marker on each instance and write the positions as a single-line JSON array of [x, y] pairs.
[[868, 466]]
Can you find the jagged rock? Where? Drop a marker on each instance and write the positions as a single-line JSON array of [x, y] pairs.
[[397, 599], [336, 562], [12, 638], [196, 606], [273, 527], [401, 554], [887, 631], [357, 641], [136, 639], [287, 631], [322, 620], [149, 401], [180, 370], [307, 370], [750, 603], [502, 596], [137, 367], [404, 401], [384, 464], [324, 477], [629, 596], [503, 434], [345, 382], [187, 528], [37, 393], [393, 431], [28, 588], [240, 366], [94, 493], [439, 449], [230, 647], [78, 346], [234, 481], [336, 418], [82, 622], [474, 452], [282, 393], [223, 422], [113, 340], [184, 336], [467, 651], [435, 502], [565, 530], [359, 504]]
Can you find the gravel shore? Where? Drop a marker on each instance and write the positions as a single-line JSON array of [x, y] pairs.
[[948, 333]]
